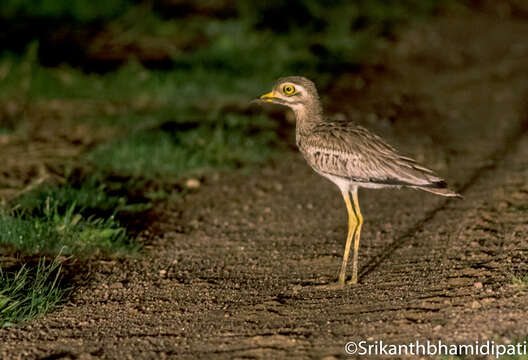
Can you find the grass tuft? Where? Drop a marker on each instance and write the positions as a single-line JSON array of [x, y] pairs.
[[29, 291], [229, 142], [64, 232], [521, 281], [90, 198], [67, 219]]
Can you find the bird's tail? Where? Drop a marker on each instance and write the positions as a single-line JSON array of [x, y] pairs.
[[439, 188], [422, 178]]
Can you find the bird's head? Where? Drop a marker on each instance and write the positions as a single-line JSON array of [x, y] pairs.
[[296, 92]]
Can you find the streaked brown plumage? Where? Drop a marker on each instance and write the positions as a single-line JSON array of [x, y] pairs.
[[351, 152], [348, 155]]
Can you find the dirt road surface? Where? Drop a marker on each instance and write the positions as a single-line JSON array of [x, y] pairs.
[[233, 269]]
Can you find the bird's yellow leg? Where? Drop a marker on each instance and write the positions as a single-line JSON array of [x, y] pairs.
[[357, 234], [352, 225]]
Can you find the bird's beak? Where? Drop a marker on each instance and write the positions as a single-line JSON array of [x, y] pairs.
[[268, 97]]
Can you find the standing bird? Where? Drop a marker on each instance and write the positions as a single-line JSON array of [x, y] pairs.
[[348, 155]]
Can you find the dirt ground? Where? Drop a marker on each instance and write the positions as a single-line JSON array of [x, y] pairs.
[[233, 273]]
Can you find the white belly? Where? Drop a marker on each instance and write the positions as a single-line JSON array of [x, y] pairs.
[[347, 185]]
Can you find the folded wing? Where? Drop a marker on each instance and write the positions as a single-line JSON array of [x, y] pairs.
[[354, 153]]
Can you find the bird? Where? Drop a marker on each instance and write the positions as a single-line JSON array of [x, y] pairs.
[[350, 156]]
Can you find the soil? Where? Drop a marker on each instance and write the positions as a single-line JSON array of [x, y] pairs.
[[233, 268]]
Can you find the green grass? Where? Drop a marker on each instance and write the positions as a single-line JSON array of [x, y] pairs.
[[88, 197], [235, 58], [30, 291], [69, 220], [78, 219], [229, 141], [79, 10], [66, 233], [181, 90], [521, 281]]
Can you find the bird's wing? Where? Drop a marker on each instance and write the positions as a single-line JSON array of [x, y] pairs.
[[354, 153]]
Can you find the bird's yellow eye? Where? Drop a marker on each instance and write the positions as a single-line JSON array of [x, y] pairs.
[[288, 90]]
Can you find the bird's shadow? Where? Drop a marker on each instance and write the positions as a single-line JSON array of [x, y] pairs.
[[399, 242]]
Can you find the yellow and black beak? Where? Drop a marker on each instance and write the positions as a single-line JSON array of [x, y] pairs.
[[269, 97]]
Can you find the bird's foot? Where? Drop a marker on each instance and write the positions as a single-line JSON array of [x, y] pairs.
[[353, 281]]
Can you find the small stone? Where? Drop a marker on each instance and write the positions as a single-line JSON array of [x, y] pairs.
[[475, 305], [478, 285], [163, 273], [192, 183]]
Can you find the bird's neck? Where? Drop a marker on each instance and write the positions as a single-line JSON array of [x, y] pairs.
[[307, 117]]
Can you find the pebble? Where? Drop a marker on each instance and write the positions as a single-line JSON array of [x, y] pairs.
[[192, 183]]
